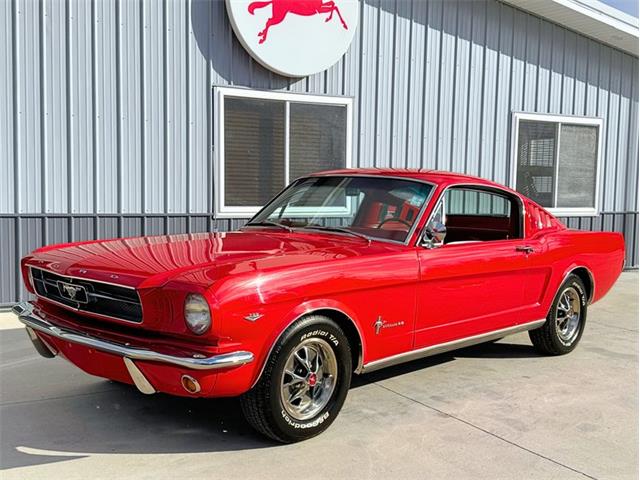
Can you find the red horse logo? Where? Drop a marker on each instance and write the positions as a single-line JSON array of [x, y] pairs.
[[280, 8]]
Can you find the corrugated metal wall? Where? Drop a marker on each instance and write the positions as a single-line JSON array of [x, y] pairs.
[[106, 108]]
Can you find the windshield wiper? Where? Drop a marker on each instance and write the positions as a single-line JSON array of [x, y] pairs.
[[338, 229], [269, 223]]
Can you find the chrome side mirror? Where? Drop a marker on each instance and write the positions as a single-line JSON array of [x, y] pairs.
[[434, 234]]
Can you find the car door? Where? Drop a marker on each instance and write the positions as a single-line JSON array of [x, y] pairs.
[[474, 282]]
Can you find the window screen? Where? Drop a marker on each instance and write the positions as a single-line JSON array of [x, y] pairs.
[[317, 138], [254, 151], [258, 162], [536, 161], [577, 166], [556, 163]]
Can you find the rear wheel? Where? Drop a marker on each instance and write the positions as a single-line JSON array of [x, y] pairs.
[[304, 382], [566, 320]]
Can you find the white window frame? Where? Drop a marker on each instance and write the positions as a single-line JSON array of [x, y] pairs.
[[559, 120], [220, 93]]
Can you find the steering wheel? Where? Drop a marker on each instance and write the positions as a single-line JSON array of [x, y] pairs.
[[393, 219]]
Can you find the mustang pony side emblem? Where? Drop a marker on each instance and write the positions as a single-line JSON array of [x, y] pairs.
[[307, 8], [380, 324], [76, 293]]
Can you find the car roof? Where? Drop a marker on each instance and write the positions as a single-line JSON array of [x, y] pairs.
[[437, 177]]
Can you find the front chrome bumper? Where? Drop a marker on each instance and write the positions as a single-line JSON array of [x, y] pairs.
[[34, 321]]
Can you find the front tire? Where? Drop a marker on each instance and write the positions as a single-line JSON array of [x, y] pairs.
[[304, 383], [565, 323]]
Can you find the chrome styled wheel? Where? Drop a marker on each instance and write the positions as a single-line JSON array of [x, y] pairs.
[[308, 379], [304, 382], [566, 319], [568, 316]]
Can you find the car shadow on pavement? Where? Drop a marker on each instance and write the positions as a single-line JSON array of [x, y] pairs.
[[102, 417], [111, 418]]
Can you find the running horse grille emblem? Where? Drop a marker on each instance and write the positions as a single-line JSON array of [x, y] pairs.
[[75, 293], [307, 8]]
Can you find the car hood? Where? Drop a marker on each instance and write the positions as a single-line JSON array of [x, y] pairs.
[[152, 261]]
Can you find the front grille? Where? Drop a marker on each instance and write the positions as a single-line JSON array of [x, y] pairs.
[[104, 299]]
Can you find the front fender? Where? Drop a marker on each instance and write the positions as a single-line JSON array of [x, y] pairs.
[[299, 311]]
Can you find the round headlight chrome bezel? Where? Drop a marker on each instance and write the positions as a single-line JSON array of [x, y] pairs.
[[197, 314]]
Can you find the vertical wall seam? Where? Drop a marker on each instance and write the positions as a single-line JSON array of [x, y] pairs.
[[586, 81], [482, 84], [408, 101], [16, 93], [465, 160], [510, 148], [616, 159], [187, 86], [393, 82], [70, 193], [119, 174], [165, 137], [211, 126], [605, 165], [575, 76], [94, 123], [437, 116], [143, 114], [425, 69], [42, 78], [537, 90], [376, 114], [17, 252], [525, 62], [453, 88], [360, 77]]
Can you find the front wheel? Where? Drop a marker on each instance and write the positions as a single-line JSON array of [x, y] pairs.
[[304, 382], [565, 323]]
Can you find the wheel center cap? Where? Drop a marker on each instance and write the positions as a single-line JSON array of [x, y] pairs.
[[312, 380]]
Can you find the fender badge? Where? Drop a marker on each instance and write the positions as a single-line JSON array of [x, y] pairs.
[[380, 324], [252, 317]]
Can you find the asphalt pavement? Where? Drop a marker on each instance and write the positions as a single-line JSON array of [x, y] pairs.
[[493, 411]]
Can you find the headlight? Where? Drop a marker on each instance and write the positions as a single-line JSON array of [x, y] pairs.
[[196, 313]]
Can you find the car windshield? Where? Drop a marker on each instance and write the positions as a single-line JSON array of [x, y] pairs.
[[372, 207]]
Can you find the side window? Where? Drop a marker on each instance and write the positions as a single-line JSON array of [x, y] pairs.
[[480, 215]]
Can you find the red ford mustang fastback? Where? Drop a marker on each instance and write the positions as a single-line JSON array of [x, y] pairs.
[[345, 271]]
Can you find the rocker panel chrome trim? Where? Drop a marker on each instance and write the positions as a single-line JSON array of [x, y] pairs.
[[448, 346]]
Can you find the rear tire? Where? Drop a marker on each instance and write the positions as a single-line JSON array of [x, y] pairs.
[[304, 382], [565, 323]]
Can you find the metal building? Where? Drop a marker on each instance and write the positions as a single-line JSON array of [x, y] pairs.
[[113, 122]]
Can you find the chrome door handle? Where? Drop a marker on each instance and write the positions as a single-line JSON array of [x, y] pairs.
[[525, 248]]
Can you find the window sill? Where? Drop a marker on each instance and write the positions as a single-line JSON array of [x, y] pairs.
[[573, 212]]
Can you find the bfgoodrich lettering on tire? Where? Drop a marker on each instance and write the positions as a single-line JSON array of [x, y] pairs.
[[566, 320], [304, 382]]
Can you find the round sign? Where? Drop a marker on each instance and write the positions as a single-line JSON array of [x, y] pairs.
[[295, 38]]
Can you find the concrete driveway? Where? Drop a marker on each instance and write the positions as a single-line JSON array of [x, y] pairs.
[[496, 411]]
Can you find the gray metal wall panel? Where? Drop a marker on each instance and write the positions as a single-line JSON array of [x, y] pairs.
[[106, 90], [7, 113], [28, 118], [56, 135], [107, 105], [129, 95]]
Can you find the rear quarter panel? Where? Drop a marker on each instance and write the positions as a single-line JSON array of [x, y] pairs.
[[563, 251]]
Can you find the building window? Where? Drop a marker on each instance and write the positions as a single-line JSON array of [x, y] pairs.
[[267, 139], [555, 161]]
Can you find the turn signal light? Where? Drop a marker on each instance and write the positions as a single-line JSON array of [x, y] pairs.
[[190, 384]]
